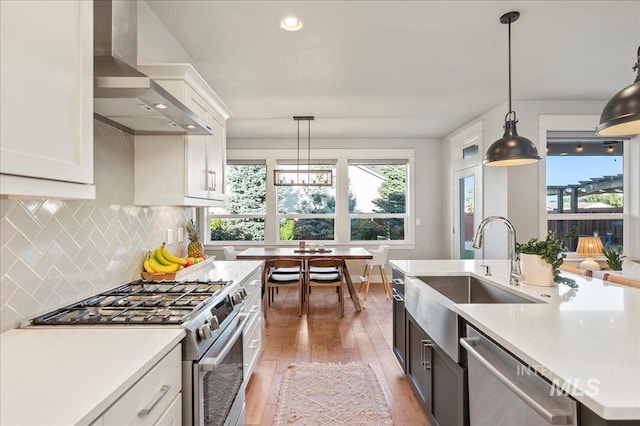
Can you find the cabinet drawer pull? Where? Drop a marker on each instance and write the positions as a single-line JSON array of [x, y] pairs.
[[256, 282], [254, 344], [163, 391], [254, 309]]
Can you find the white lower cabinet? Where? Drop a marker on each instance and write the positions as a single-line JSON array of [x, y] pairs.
[[154, 400], [252, 336], [173, 415]]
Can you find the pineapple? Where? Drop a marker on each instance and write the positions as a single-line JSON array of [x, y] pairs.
[[194, 249]]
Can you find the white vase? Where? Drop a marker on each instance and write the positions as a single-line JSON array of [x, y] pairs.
[[536, 271]]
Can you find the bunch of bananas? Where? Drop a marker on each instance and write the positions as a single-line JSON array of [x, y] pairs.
[[161, 260]]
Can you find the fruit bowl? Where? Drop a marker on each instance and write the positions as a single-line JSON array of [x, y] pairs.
[[157, 276]]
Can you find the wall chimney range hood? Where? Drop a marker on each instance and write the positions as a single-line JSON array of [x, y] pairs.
[[123, 96]]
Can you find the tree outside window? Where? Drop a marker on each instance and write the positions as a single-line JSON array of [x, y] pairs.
[[378, 210]]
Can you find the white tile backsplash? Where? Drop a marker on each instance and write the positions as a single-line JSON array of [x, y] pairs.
[[55, 252]]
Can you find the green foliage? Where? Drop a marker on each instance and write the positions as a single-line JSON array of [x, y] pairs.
[[614, 200], [392, 190], [614, 257], [217, 223], [287, 230], [377, 229], [551, 249], [248, 189], [237, 229]]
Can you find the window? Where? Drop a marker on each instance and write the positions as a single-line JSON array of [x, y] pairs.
[[585, 187], [243, 218], [307, 212], [377, 200], [369, 200]]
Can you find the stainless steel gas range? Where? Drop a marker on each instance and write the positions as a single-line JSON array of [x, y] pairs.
[[212, 351]]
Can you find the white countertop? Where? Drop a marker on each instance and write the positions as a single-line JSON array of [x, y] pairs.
[[589, 338], [234, 270], [58, 375], [68, 376]]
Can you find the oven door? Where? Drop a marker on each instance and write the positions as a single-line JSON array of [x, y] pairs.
[[218, 389]]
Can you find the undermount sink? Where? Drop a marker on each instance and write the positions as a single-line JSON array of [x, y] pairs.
[[468, 289]]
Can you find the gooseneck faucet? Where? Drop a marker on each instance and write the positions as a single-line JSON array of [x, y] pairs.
[[514, 272]]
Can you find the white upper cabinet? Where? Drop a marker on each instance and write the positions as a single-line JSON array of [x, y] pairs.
[[46, 96], [183, 170]]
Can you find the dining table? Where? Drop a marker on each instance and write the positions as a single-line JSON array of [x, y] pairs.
[[343, 253]]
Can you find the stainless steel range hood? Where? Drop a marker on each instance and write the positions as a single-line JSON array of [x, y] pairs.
[[124, 97]]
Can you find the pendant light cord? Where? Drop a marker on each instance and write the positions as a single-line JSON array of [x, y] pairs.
[[298, 155], [309, 147], [510, 108]]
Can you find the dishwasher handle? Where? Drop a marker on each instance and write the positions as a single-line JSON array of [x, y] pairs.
[[552, 416]]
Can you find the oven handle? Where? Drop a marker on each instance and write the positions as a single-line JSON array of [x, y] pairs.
[[210, 364]]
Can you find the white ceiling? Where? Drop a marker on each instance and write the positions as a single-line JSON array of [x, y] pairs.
[[399, 68]]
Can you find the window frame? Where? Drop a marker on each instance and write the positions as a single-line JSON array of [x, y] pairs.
[[580, 123], [373, 215], [341, 157]]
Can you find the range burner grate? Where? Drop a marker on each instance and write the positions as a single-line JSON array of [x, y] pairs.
[[138, 302]]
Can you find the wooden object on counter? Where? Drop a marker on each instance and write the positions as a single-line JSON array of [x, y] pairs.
[[618, 279], [584, 272]]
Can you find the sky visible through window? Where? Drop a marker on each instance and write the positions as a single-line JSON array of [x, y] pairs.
[[566, 170]]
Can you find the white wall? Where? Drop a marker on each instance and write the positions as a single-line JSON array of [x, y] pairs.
[[514, 192], [429, 235]]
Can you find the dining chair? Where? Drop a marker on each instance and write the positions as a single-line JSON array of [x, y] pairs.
[[325, 273], [380, 256], [282, 273], [619, 279], [229, 253]]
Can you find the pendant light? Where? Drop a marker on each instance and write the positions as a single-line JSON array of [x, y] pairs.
[[303, 176], [511, 149], [621, 115]]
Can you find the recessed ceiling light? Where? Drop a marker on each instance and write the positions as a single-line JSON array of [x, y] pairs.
[[291, 23], [161, 106], [190, 126]]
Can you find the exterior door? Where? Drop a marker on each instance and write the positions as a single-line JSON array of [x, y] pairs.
[[467, 209]]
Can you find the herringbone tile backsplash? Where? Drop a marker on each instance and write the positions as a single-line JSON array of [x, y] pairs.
[[55, 252]]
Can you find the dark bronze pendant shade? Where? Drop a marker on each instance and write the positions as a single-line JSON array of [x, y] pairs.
[[511, 149], [621, 115]]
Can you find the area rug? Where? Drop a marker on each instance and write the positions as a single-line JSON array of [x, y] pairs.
[[331, 394]]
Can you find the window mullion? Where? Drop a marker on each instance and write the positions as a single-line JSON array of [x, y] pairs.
[[342, 223]]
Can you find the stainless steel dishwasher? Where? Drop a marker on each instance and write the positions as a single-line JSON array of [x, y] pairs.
[[505, 392]]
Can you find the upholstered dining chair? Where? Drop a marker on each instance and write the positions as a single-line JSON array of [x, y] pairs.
[[229, 253], [282, 273], [380, 257], [325, 273]]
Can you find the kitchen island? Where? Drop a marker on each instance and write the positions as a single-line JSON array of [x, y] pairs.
[[586, 341]]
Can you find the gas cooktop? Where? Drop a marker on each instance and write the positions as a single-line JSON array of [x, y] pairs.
[[138, 302]]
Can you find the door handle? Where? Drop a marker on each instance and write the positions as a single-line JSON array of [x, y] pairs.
[[211, 185], [427, 345], [552, 416]]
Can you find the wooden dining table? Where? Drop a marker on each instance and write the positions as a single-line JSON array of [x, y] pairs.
[[344, 253]]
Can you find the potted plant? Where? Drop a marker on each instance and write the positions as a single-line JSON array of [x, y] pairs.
[[614, 257], [540, 259]]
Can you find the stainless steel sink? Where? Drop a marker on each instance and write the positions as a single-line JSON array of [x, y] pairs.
[[461, 289], [437, 317]]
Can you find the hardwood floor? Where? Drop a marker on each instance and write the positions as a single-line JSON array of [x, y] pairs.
[[324, 337]]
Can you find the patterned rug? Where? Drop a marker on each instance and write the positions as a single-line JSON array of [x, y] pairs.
[[331, 394]]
